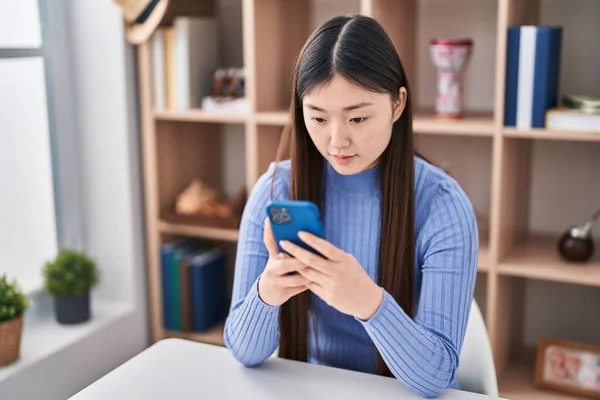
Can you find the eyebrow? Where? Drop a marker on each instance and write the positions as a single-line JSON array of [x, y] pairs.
[[348, 108]]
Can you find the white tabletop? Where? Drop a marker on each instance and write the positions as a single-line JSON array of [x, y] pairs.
[[181, 369]]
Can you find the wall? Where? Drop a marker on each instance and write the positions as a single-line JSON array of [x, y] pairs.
[[105, 89]]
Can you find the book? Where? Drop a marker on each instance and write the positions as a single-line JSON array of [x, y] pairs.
[[185, 282], [563, 119], [169, 78], [532, 74], [158, 69], [208, 280], [196, 57], [166, 251], [171, 280]]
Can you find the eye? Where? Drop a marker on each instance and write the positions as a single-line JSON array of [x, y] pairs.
[[358, 120], [318, 120]]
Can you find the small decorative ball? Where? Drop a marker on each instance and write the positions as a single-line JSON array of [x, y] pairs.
[[575, 247]]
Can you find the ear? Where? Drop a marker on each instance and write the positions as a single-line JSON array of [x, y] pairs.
[[400, 103]]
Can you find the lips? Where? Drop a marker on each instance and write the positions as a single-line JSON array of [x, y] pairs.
[[344, 160]]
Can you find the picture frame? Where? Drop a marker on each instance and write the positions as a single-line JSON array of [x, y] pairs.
[[569, 367]]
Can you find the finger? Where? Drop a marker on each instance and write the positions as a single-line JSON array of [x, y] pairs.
[[319, 291], [291, 292], [284, 267], [292, 281], [269, 239], [306, 257], [322, 246], [313, 275]]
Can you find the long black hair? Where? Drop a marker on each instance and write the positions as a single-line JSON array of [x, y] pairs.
[[357, 49]]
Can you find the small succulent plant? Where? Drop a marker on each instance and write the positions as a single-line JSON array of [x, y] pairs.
[[70, 273]]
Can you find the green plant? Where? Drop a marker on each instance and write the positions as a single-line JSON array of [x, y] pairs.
[[70, 273], [13, 301]]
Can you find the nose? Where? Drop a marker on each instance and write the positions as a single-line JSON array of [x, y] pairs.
[[339, 138]]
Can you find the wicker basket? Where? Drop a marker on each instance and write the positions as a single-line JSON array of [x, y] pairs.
[[10, 340]]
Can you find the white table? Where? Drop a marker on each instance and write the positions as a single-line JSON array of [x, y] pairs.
[[181, 369]]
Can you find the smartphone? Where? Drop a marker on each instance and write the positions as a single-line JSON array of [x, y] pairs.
[[288, 217]]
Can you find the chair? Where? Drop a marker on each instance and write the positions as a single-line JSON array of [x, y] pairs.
[[476, 370]]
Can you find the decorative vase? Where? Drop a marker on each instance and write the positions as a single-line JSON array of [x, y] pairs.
[[10, 340], [72, 309], [451, 58]]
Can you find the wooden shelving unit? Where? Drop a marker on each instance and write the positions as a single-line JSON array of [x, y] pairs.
[[179, 145]]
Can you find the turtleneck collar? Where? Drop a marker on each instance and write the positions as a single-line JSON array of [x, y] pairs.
[[365, 181]]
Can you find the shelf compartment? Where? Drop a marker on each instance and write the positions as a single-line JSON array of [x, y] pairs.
[[517, 383], [188, 152], [547, 134], [537, 257], [200, 115], [409, 25], [279, 31], [212, 336]]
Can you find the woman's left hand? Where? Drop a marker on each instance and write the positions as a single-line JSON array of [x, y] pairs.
[[338, 279]]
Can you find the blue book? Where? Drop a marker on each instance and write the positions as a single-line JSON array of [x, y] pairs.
[[547, 73], [169, 251], [176, 289], [166, 250], [532, 74], [512, 76], [208, 274]]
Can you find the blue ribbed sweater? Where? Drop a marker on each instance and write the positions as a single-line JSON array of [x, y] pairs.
[[422, 353]]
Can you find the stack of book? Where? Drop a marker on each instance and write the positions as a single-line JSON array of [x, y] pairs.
[[185, 57], [532, 74], [577, 113], [193, 277]]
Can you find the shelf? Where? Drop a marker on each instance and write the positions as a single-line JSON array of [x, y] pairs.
[[199, 115], [472, 124], [537, 258], [537, 133], [213, 336], [225, 234], [517, 383], [277, 118]]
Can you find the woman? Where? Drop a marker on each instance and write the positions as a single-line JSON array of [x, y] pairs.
[[392, 294]]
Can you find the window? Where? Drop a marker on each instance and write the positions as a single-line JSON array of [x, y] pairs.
[[34, 129]]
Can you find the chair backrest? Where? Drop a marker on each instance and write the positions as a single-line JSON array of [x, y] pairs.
[[476, 370]]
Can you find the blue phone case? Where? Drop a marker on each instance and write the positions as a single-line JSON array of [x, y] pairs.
[[292, 216]]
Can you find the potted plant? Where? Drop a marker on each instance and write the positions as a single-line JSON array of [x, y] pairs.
[[13, 304], [69, 279]]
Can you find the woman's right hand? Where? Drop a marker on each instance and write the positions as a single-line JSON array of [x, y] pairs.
[[276, 285]]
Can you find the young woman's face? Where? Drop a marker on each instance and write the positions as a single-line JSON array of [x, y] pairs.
[[350, 126]]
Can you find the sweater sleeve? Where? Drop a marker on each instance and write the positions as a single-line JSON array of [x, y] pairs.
[[252, 326], [423, 353]]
